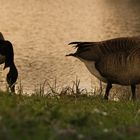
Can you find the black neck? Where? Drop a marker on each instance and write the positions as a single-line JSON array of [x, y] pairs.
[[13, 67], [12, 76]]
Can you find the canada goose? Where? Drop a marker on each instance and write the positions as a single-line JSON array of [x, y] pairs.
[[113, 61], [7, 57]]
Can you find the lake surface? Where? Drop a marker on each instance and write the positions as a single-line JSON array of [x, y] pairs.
[[41, 29]]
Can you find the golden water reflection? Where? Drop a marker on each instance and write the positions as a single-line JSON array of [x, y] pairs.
[[40, 31]]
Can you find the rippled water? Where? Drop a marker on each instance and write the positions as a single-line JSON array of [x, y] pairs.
[[41, 29]]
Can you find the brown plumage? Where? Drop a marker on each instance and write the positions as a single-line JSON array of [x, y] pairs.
[[114, 61]]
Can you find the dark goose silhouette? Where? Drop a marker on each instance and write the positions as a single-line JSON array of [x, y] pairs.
[[7, 57], [114, 61]]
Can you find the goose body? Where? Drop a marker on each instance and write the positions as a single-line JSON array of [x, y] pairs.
[[93, 70], [7, 58], [114, 61]]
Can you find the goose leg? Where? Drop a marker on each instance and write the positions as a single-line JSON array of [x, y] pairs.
[[108, 87], [133, 90]]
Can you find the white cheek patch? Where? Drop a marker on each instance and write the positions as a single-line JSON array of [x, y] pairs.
[[2, 59]]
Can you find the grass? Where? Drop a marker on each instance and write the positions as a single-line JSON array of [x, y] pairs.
[[69, 116]]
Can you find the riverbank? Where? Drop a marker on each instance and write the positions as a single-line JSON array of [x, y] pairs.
[[67, 117]]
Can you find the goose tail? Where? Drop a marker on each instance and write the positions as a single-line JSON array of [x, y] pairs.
[[73, 43], [71, 54], [81, 44], [81, 47], [76, 44]]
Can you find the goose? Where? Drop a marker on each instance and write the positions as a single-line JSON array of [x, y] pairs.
[[113, 61], [7, 58]]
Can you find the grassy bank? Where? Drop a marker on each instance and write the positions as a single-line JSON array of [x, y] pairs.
[[67, 118]]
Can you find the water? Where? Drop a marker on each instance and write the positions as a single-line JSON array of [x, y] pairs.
[[41, 29]]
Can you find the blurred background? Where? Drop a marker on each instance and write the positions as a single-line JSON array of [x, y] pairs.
[[41, 29]]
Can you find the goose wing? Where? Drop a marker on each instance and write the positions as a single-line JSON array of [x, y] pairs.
[[122, 44], [120, 67]]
